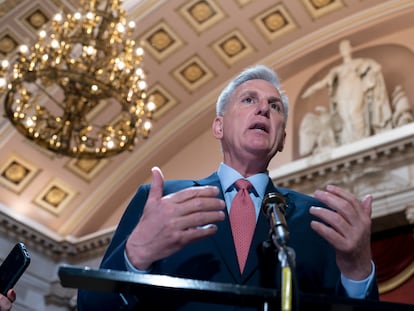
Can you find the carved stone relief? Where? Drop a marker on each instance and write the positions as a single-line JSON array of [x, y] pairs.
[[359, 105]]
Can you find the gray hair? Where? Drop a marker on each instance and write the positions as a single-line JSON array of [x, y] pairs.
[[256, 72]]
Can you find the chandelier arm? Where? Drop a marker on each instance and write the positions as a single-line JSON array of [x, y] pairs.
[[40, 87]]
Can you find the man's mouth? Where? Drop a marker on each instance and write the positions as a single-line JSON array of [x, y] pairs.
[[260, 126]]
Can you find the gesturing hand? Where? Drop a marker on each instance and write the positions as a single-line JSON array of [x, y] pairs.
[[347, 229], [170, 222]]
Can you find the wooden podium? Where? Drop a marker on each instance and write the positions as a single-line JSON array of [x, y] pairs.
[[150, 285]]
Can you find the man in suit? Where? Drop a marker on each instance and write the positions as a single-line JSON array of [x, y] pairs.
[[182, 228]]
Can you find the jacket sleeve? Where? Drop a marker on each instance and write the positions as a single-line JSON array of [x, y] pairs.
[[114, 255], [114, 259]]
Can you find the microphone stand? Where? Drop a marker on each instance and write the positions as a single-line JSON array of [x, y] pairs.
[[286, 256], [274, 207]]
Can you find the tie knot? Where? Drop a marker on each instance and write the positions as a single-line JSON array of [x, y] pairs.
[[243, 184]]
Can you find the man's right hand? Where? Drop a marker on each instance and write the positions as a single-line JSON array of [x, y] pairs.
[[170, 222]]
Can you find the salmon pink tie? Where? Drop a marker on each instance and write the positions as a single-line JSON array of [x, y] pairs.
[[242, 220]]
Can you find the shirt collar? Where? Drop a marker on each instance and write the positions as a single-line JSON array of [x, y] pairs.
[[228, 176]]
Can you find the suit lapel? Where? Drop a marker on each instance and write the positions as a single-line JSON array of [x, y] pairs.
[[255, 252], [223, 238]]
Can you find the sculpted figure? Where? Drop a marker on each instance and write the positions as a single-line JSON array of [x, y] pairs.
[[318, 131], [403, 113], [358, 95]]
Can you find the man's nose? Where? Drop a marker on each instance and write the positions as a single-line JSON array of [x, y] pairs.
[[263, 108]]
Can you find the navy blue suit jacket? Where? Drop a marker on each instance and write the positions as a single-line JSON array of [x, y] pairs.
[[214, 258]]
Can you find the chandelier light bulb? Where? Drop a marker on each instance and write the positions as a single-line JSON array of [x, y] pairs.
[[3, 83], [110, 144], [90, 15], [139, 72], [58, 18], [24, 49], [139, 51], [29, 122], [147, 125], [5, 64], [142, 85], [151, 106], [54, 44], [90, 50], [42, 34], [120, 28]]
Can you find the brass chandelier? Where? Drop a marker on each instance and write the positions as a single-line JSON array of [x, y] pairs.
[[80, 90]]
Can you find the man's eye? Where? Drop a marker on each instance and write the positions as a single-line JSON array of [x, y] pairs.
[[248, 100], [275, 106]]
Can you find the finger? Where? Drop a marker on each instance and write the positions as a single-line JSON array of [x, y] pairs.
[[200, 219], [333, 228], [340, 200], [201, 232], [338, 192], [328, 233], [197, 212], [331, 222], [366, 212], [193, 234], [157, 185], [194, 192], [354, 208], [11, 295], [336, 203], [367, 204]]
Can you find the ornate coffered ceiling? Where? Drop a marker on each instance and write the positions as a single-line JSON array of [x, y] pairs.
[[192, 48]]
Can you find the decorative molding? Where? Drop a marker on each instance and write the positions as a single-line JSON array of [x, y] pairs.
[[86, 168], [36, 18], [320, 8], [378, 150], [55, 196], [243, 3], [58, 248], [162, 99], [161, 41], [193, 73], [275, 22], [8, 43], [16, 173], [7, 6], [397, 280], [202, 14], [232, 47], [409, 214]]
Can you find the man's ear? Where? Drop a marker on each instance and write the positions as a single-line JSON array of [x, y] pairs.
[[217, 127], [281, 144]]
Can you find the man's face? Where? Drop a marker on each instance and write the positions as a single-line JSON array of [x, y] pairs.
[[254, 123]]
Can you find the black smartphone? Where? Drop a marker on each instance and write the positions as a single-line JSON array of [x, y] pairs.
[[13, 267]]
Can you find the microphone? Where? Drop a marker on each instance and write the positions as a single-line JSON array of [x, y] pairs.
[[274, 206]]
